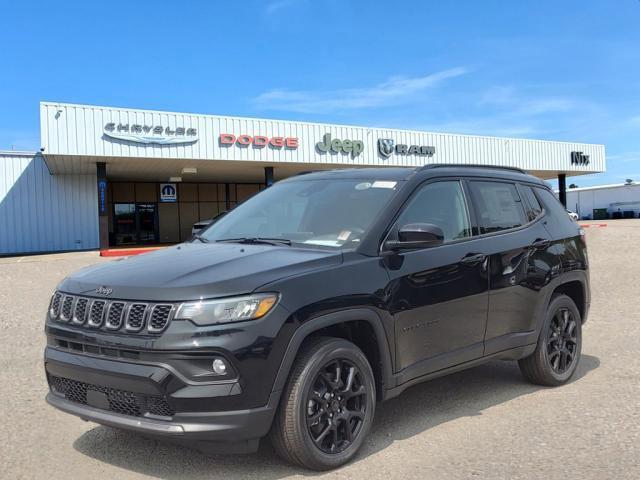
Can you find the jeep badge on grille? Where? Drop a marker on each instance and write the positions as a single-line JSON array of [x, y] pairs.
[[104, 290]]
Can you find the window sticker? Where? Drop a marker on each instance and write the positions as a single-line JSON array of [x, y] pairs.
[[383, 184], [344, 235], [326, 243], [363, 186]]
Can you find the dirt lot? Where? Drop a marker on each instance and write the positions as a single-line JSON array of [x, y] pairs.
[[482, 423]]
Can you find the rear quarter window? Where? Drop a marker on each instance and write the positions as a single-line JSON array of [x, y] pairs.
[[532, 207], [553, 206]]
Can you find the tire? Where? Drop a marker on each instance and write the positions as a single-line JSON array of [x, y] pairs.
[[557, 353], [307, 408]]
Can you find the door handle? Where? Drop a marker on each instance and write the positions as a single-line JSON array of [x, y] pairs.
[[541, 243], [473, 258]]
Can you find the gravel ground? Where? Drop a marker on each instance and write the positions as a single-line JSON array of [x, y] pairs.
[[482, 423]]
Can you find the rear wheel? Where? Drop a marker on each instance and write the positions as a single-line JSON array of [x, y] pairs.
[[557, 353], [327, 407]]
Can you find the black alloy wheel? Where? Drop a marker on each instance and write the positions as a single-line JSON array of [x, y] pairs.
[[557, 353], [336, 406], [562, 342], [327, 407]]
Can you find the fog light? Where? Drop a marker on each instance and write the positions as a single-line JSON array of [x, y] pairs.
[[219, 367]]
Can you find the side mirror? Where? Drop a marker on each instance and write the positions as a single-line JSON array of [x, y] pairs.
[[416, 236]]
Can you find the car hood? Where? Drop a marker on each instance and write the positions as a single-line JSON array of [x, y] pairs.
[[195, 270]]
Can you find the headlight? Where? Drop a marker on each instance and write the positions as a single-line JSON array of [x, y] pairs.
[[227, 310]]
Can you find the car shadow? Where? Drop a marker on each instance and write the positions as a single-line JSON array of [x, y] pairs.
[[418, 409]]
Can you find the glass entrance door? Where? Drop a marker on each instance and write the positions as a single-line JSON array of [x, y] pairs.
[[147, 215], [135, 223]]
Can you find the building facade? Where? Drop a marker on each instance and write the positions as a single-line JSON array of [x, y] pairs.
[[117, 176], [605, 201]]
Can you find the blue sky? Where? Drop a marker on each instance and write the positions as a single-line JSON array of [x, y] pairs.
[[563, 70]]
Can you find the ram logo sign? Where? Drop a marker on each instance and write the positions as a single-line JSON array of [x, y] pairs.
[[168, 192], [388, 146]]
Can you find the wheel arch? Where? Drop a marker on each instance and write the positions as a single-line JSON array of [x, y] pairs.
[[345, 324], [576, 291], [571, 282]]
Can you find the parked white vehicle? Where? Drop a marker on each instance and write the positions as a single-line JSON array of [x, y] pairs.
[[573, 215], [202, 224]]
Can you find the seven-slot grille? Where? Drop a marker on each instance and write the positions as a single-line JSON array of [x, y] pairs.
[[113, 315], [67, 308], [80, 312], [96, 313], [136, 317], [54, 310], [159, 317]]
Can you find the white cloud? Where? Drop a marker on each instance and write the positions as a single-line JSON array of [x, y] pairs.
[[494, 127], [633, 156], [273, 7], [391, 92], [510, 98]]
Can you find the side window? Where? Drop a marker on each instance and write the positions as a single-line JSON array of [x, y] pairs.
[[533, 207], [498, 206], [553, 205], [442, 204]]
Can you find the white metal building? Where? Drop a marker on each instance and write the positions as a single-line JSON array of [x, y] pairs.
[[117, 176], [616, 199]]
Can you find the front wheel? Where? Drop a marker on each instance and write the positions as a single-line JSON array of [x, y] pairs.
[[327, 406], [557, 353]]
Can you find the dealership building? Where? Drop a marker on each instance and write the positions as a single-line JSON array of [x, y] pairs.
[[108, 177], [620, 200]]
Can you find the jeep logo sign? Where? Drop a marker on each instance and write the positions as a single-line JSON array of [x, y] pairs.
[[168, 192], [354, 147], [579, 158]]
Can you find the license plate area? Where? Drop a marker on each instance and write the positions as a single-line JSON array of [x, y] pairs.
[[97, 399]]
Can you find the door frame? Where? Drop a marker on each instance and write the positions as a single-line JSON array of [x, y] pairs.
[[136, 205]]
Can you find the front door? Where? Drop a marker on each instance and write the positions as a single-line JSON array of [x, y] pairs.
[[135, 223], [438, 295]]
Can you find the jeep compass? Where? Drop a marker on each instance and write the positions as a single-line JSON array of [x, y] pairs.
[[299, 311]]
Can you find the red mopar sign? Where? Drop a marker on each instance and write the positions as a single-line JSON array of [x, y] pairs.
[[258, 141]]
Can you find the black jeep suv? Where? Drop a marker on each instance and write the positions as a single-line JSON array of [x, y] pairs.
[[319, 297]]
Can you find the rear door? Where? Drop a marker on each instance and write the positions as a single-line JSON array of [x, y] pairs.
[[516, 244]]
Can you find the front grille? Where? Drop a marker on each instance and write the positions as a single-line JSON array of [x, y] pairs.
[[67, 305], [112, 315], [96, 313], [80, 312], [114, 318], [119, 401], [54, 309], [159, 317], [135, 317]]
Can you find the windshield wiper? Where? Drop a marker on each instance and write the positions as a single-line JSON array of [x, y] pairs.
[[197, 236], [260, 240]]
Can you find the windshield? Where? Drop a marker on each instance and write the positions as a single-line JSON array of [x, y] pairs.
[[328, 213]]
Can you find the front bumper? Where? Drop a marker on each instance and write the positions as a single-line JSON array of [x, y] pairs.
[[126, 395]]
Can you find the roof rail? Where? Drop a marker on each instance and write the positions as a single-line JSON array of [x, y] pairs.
[[472, 165]]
